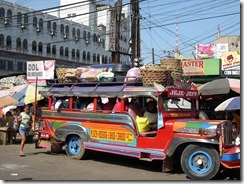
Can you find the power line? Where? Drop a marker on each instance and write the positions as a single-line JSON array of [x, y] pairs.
[[194, 20], [231, 26], [173, 34]]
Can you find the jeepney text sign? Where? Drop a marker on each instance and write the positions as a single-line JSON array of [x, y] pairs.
[[182, 93]]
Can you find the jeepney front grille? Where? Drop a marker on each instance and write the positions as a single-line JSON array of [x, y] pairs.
[[227, 134]]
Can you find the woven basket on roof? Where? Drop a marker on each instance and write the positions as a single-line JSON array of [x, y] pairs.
[[154, 73], [66, 75], [173, 65]]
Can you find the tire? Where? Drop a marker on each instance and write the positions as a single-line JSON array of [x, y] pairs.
[[208, 158], [74, 147]]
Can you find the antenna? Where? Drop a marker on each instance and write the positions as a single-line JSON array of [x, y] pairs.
[[218, 30], [177, 37]]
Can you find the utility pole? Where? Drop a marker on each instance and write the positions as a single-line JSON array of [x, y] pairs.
[[135, 32], [117, 9]]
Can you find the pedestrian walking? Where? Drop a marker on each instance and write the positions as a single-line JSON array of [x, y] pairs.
[[25, 122]]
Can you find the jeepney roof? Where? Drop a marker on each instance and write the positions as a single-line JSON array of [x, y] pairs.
[[115, 89], [122, 90]]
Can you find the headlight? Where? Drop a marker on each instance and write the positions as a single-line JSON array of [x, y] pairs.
[[238, 140]]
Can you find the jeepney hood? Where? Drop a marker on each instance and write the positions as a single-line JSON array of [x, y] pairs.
[[196, 126]]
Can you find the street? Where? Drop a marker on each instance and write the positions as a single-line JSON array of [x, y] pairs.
[[41, 164]]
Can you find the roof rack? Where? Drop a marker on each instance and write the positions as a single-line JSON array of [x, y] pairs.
[[90, 81], [98, 88]]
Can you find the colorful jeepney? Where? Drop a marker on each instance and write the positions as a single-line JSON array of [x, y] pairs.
[[199, 146]]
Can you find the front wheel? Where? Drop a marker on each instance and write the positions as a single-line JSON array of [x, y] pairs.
[[200, 162], [74, 147]]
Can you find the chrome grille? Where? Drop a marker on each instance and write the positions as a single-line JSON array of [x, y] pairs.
[[227, 134]]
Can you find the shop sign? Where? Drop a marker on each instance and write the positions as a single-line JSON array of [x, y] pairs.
[[112, 31], [231, 72], [230, 60], [200, 67], [40, 70], [192, 67]]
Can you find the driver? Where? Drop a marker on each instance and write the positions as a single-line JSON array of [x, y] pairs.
[[151, 114]]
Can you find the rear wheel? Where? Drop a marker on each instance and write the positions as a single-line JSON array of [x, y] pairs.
[[74, 147], [200, 162]]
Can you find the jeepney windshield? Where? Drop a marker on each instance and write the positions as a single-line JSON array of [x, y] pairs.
[[177, 104]]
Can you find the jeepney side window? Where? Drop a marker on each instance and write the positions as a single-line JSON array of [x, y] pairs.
[[61, 103], [177, 104]]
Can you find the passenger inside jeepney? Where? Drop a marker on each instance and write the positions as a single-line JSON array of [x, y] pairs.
[[134, 108], [84, 101], [118, 105], [61, 103], [81, 102], [77, 103], [110, 104], [90, 106], [151, 114]]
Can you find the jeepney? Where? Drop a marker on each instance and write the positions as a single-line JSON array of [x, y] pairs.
[[200, 147]]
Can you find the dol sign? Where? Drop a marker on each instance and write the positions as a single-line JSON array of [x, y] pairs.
[[35, 69], [40, 69]]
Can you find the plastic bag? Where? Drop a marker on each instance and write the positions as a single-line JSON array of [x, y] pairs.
[[106, 76]]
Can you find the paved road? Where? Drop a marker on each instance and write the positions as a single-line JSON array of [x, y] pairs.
[[41, 164]]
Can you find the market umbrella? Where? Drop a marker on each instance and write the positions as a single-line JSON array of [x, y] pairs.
[[11, 91], [220, 86], [27, 95], [20, 95], [30, 94], [4, 92], [230, 104], [7, 101]]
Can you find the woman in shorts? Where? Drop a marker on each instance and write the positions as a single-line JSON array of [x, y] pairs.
[[25, 122]]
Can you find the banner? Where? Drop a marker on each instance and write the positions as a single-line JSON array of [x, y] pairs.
[[231, 63], [112, 31], [200, 67], [219, 49], [43, 70], [204, 51]]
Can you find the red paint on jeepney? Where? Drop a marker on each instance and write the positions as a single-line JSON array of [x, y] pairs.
[[161, 141]]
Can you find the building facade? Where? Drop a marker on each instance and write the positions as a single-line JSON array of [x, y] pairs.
[[27, 35]]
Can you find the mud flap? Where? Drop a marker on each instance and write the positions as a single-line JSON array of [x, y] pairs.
[[167, 164]]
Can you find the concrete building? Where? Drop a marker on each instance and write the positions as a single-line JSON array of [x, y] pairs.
[[232, 41], [28, 35]]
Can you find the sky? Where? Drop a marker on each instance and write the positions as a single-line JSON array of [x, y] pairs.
[[198, 23]]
